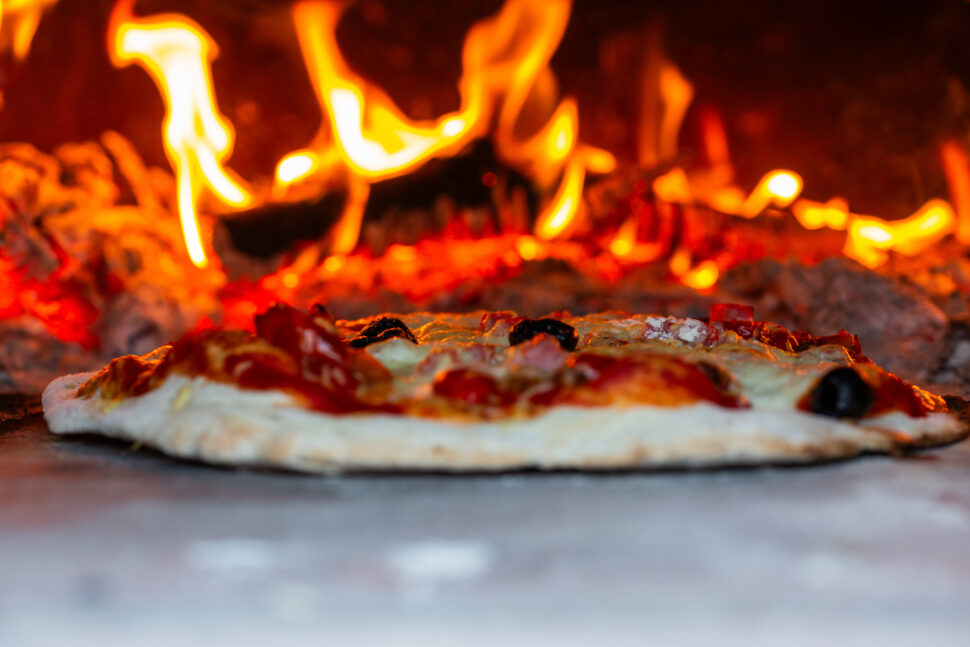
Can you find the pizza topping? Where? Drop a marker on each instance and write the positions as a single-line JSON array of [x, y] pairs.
[[644, 378], [312, 340], [541, 354], [841, 393], [331, 398], [472, 387], [689, 331], [740, 320], [491, 320], [893, 393], [125, 376], [719, 377], [528, 328], [733, 316], [320, 310], [380, 330], [842, 338], [625, 360]]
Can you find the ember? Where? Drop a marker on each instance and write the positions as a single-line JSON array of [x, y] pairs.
[[496, 203]]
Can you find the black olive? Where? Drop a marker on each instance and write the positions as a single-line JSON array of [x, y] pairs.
[[380, 330], [378, 326], [528, 328], [841, 393]]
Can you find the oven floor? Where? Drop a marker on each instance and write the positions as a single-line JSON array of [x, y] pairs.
[[104, 545]]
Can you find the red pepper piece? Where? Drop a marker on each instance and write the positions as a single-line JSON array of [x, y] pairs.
[[471, 387]]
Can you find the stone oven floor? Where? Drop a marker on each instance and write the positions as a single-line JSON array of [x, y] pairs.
[[103, 545]]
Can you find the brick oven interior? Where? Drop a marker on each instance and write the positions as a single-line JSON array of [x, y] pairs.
[[867, 103], [810, 88]]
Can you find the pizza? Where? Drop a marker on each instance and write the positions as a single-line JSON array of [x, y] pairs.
[[489, 391]]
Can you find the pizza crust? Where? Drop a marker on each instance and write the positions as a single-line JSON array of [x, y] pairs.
[[195, 418]]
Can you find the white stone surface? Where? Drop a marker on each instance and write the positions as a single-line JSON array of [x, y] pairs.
[[102, 545]]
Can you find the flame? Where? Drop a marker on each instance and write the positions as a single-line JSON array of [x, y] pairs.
[[527, 248], [673, 186], [715, 143], [625, 240], [296, 166], [703, 276], [870, 238], [833, 214], [177, 52], [508, 92], [676, 93], [956, 164], [372, 135], [777, 188], [19, 20], [506, 79], [559, 212]]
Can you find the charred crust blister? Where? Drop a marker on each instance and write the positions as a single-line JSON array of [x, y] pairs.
[[526, 329], [381, 330]]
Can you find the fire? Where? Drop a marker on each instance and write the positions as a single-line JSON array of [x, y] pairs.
[[296, 166], [374, 138], [703, 276], [833, 213], [956, 164], [556, 216], [177, 53], [19, 20], [506, 79], [776, 189], [677, 93], [509, 93], [870, 238], [625, 240]]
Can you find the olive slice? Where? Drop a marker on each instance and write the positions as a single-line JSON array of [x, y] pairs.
[[841, 393], [380, 330], [526, 329]]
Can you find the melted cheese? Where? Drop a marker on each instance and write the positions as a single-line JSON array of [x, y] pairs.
[[769, 378]]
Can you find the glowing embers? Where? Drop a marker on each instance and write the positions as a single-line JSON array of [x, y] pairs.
[[177, 53]]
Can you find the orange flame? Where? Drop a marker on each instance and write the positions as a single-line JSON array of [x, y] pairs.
[[19, 20], [506, 62], [507, 90], [177, 53], [296, 166], [871, 238], [373, 136], [833, 214], [506, 79], [703, 276], [625, 240], [677, 93], [778, 188], [956, 165]]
